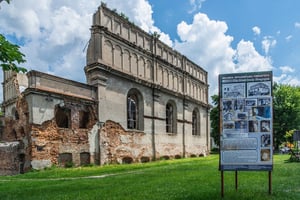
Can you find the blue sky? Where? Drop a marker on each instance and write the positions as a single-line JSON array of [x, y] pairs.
[[222, 36]]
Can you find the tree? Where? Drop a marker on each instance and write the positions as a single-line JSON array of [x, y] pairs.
[[8, 1], [10, 54], [289, 136], [286, 107], [215, 119]]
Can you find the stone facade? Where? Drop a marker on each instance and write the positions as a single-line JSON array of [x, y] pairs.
[[143, 101]]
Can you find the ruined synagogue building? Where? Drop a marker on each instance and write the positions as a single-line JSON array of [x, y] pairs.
[[143, 101]]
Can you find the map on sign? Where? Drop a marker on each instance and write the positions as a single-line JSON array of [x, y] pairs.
[[246, 139]]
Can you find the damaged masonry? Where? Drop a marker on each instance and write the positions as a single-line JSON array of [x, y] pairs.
[[142, 101]]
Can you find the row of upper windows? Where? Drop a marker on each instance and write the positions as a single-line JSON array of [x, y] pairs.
[[115, 25], [171, 80], [114, 55], [135, 115], [63, 117], [139, 66]]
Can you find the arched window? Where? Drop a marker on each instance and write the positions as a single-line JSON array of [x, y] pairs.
[[171, 118], [15, 113], [135, 110], [132, 111], [195, 122], [83, 119]]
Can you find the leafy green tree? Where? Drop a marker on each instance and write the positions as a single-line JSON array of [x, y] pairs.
[[286, 107], [289, 136], [10, 55], [215, 120], [8, 1]]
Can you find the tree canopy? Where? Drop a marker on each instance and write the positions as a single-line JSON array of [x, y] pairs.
[[286, 106], [215, 120], [10, 55], [8, 1]]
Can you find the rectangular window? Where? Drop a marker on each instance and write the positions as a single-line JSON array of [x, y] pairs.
[[83, 119]]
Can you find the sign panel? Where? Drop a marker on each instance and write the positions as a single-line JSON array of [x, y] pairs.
[[246, 139]]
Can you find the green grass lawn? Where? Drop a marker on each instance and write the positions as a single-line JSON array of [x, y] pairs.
[[193, 178]]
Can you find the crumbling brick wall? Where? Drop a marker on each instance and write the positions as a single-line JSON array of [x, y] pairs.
[[16, 129], [10, 159], [41, 144], [50, 141], [120, 146]]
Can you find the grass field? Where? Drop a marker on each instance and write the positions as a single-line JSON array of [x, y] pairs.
[[193, 178]]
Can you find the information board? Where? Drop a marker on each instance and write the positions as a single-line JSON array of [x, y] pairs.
[[246, 124]]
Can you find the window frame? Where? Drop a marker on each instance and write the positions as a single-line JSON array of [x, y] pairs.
[[134, 115], [132, 111], [195, 122], [171, 118]]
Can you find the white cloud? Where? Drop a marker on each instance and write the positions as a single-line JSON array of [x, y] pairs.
[[249, 60], [205, 42], [267, 43], [287, 79], [21, 19], [67, 26], [297, 24], [51, 29], [256, 30], [278, 33], [196, 5], [287, 76], [286, 69], [140, 12], [288, 38]]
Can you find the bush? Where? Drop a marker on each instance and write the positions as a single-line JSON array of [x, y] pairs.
[[69, 164]]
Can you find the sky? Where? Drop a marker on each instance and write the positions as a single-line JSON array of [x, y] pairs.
[[221, 36]]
